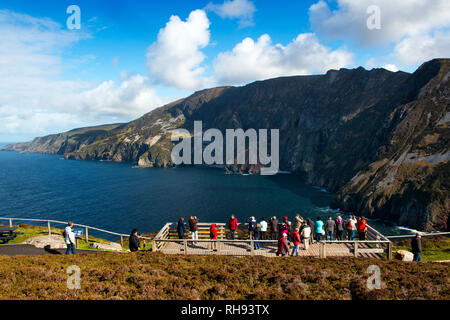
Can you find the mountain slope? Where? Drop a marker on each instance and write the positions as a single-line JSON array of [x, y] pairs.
[[377, 138]]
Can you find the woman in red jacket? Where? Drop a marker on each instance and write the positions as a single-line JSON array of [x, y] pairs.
[[213, 235], [233, 225], [296, 241], [283, 248], [362, 228]]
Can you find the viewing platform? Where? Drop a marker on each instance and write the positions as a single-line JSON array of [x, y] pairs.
[[166, 241]]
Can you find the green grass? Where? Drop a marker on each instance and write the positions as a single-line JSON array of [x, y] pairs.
[[433, 249], [26, 231]]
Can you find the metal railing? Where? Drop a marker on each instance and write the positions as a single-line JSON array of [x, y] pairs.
[[85, 227], [377, 243]]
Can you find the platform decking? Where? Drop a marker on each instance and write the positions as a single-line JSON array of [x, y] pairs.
[[166, 241], [267, 250]]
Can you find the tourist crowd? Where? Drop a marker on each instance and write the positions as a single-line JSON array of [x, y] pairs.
[[299, 231]]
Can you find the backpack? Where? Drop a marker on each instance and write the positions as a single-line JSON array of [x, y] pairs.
[[64, 233], [349, 224]]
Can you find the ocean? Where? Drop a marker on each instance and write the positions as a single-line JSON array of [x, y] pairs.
[[118, 197]]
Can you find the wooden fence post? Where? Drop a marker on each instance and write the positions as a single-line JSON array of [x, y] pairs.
[[49, 229], [378, 239], [87, 235], [355, 251], [252, 248], [389, 254], [121, 241], [10, 223], [185, 246]]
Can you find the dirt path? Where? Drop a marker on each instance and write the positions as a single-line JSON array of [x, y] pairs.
[[27, 249]]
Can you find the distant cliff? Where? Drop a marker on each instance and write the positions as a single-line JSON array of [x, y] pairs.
[[379, 139]]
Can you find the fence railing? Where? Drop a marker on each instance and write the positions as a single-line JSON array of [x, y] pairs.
[[423, 234], [376, 242], [85, 228]]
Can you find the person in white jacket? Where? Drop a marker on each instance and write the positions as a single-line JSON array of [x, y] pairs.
[[306, 235], [70, 238]]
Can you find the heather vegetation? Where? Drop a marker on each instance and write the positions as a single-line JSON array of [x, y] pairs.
[[159, 276]]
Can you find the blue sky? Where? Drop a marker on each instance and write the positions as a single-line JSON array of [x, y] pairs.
[[130, 57]]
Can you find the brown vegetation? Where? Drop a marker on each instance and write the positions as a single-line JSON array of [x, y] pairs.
[[158, 276]]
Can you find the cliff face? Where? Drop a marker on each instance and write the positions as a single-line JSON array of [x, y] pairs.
[[377, 138]]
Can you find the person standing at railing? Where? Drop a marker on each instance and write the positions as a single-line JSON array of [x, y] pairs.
[[181, 228], [330, 225], [351, 228], [416, 247], [362, 228], [233, 225], [134, 241], [251, 227], [193, 227], [263, 224], [339, 228], [274, 228], [319, 229], [70, 238], [312, 225], [257, 235], [213, 230]]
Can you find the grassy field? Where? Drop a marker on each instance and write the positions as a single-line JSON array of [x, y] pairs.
[[434, 248], [150, 275]]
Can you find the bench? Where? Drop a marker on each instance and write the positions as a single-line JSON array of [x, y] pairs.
[[7, 234]]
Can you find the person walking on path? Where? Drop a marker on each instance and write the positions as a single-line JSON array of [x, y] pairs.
[[416, 247], [274, 228], [133, 241], [233, 225], [351, 228], [319, 229], [193, 227], [213, 230], [69, 238], [339, 228], [362, 228], [283, 248], [263, 224], [312, 225], [330, 225], [296, 241], [181, 228], [306, 236], [251, 227]]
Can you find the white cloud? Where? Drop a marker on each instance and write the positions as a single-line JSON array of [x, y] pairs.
[[250, 60], [399, 19], [235, 9], [175, 58], [34, 98], [390, 67], [417, 49]]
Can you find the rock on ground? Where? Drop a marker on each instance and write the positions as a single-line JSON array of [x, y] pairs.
[[103, 246], [54, 241], [404, 255]]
